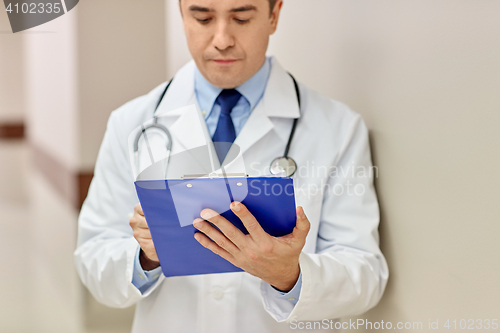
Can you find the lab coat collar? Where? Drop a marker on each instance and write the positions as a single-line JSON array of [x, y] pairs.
[[252, 90], [279, 100], [279, 97]]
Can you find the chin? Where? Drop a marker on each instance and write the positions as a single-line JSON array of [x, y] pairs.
[[225, 80], [225, 77]]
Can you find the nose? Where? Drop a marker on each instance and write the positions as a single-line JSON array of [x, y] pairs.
[[223, 38]]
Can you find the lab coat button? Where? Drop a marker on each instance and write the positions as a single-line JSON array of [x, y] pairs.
[[217, 293]]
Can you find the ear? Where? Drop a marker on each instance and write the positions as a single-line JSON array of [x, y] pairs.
[[275, 15]]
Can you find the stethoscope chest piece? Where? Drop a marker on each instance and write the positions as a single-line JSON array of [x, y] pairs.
[[283, 164]]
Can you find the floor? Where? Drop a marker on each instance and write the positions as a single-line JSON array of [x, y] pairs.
[[39, 288]]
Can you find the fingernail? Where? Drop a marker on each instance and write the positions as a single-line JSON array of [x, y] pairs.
[[302, 215], [206, 214], [197, 223], [236, 206]]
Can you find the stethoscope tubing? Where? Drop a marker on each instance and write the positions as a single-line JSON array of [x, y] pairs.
[[167, 132], [294, 126]]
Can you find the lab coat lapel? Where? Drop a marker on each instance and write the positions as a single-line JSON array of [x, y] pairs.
[[185, 123], [279, 100]]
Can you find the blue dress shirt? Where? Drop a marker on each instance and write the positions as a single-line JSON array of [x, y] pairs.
[[206, 94], [251, 91]]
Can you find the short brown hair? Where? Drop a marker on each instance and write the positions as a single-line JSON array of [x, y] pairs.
[[271, 4]]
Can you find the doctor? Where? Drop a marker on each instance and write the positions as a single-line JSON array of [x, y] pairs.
[[329, 267]]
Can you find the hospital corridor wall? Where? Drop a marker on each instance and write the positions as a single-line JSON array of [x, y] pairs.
[[59, 83]]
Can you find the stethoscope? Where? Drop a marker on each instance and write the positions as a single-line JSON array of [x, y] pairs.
[[279, 166]]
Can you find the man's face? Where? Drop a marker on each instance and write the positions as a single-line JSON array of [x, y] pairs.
[[228, 39]]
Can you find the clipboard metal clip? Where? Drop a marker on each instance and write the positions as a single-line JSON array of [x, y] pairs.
[[215, 175]]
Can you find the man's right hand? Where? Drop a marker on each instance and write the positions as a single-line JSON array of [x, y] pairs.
[[148, 257]]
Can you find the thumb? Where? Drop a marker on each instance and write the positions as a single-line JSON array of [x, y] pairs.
[[302, 226]]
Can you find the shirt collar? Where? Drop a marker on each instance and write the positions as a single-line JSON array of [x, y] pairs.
[[253, 89]]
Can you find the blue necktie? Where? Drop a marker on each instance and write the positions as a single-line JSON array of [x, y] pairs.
[[225, 133]]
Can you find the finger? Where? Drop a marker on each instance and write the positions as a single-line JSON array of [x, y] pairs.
[[145, 236], [138, 221], [227, 228], [209, 244], [152, 256], [142, 234], [302, 225], [221, 240], [142, 223], [251, 224], [147, 245], [138, 209], [149, 251]]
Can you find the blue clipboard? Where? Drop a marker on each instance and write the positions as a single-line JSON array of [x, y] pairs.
[[171, 206]]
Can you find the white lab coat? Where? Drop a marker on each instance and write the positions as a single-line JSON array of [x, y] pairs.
[[343, 270]]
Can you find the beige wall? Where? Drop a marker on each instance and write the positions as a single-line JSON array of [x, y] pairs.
[[177, 50], [121, 52], [84, 65], [79, 68], [425, 75], [50, 53], [11, 73]]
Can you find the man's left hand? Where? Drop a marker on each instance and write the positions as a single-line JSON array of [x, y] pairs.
[[273, 259]]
